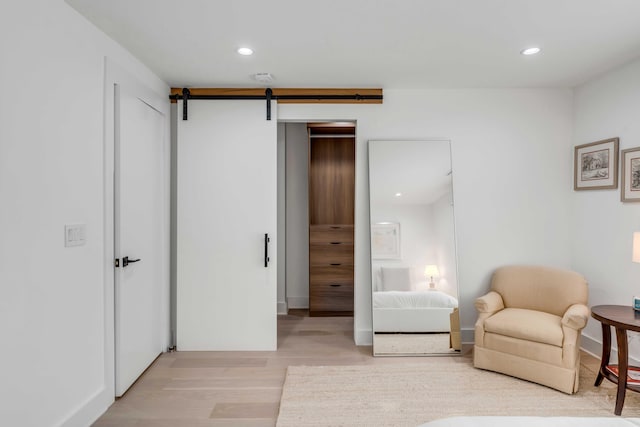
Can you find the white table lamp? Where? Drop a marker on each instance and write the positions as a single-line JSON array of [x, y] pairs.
[[432, 270], [636, 247]]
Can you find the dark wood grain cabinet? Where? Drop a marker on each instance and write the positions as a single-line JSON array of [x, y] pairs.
[[331, 219]]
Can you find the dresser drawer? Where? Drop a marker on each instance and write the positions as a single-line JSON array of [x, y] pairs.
[[328, 254], [332, 274], [328, 298], [325, 234]]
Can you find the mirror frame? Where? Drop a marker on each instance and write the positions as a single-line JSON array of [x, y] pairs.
[[451, 316]]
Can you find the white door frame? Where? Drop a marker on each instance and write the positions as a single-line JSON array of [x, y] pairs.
[[309, 118], [114, 74]]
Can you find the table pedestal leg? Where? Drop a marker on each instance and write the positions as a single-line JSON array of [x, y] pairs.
[[606, 353], [623, 365]]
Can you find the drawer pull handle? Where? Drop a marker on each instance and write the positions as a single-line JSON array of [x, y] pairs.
[[335, 285], [335, 243], [336, 264], [336, 228]]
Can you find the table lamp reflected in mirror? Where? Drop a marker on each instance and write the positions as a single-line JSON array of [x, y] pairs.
[[430, 271]]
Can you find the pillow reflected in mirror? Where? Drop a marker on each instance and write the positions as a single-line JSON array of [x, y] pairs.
[[396, 279]]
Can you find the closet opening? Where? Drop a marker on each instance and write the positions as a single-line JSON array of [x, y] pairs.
[[316, 204]]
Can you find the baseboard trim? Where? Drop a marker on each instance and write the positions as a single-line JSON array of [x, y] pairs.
[[467, 335], [298, 302], [363, 337], [594, 347], [282, 308], [90, 410]]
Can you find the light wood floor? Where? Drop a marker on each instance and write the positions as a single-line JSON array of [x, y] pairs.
[[196, 389]]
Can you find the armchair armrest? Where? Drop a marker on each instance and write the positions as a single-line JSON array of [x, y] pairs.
[[486, 306], [576, 317], [489, 303]]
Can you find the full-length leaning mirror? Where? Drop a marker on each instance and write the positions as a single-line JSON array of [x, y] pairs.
[[413, 254]]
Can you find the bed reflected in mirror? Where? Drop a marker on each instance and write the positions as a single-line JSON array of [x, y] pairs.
[[413, 255]]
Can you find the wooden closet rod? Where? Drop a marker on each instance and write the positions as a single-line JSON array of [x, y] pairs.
[[290, 96]]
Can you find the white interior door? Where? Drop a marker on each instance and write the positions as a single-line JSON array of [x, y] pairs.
[[140, 227], [227, 202]]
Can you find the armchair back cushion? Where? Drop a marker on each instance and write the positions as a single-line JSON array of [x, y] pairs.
[[540, 288]]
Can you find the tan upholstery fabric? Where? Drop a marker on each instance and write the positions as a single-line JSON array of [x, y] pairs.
[[531, 287], [576, 317], [454, 335], [559, 378], [490, 303], [529, 325], [529, 349]]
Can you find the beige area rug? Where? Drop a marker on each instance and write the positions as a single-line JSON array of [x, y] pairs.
[[411, 344], [412, 394]]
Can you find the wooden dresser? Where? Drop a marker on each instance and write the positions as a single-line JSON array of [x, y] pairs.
[[331, 218]]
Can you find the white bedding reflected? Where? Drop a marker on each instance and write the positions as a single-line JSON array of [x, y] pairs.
[[413, 299]]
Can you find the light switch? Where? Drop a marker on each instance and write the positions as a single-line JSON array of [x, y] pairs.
[[75, 234]]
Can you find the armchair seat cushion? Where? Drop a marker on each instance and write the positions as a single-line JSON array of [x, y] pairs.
[[529, 325]]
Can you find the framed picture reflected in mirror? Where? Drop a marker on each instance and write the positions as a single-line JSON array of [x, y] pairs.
[[385, 240]]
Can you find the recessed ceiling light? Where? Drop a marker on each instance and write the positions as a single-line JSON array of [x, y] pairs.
[[398, 194], [245, 51], [530, 51]]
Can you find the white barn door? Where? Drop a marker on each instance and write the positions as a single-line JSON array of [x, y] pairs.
[[226, 204]]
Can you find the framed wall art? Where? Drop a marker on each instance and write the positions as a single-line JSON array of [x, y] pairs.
[[630, 187], [385, 240], [596, 165]]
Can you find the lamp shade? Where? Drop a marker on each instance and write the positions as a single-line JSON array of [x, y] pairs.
[[636, 247], [432, 270]]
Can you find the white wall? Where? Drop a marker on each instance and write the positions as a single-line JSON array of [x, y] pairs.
[[601, 226], [51, 174], [510, 151]]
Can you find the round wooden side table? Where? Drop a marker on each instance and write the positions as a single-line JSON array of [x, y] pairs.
[[622, 318]]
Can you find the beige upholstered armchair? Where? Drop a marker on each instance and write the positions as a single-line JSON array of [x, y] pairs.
[[529, 325]]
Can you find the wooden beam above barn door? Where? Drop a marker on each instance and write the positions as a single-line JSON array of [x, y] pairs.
[[282, 95], [286, 96]]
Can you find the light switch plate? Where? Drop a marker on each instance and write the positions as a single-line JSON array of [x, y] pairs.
[[75, 234]]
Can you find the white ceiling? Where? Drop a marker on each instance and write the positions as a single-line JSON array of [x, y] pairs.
[[373, 43]]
